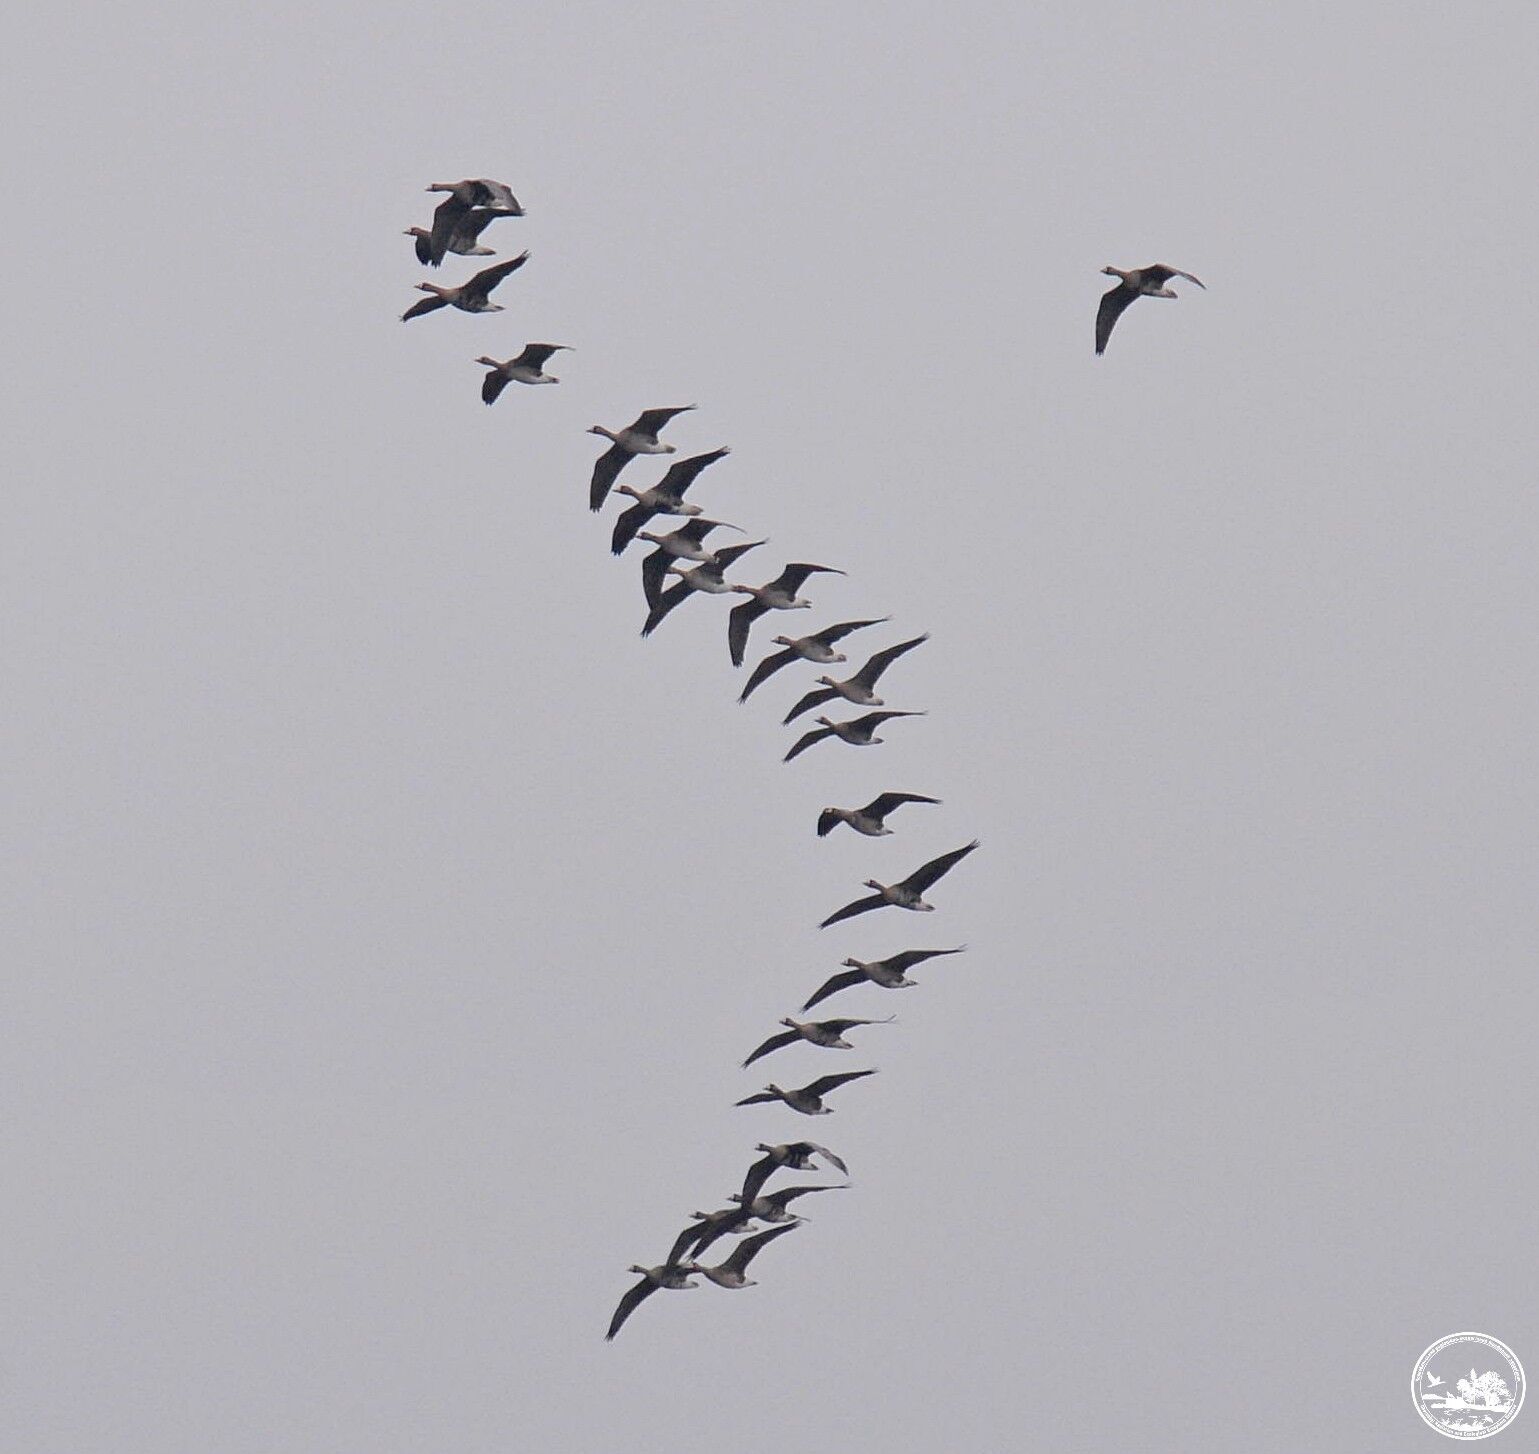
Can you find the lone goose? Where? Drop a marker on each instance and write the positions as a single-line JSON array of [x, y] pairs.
[[807, 1099], [868, 820], [455, 215], [818, 647], [793, 1155], [730, 1274], [827, 1033], [906, 893], [669, 1275], [666, 497], [858, 688], [1137, 283], [471, 297], [772, 1208], [527, 368], [707, 578], [464, 240], [638, 438], [776, 595], [858, 731], [889, 973], [681, 544]]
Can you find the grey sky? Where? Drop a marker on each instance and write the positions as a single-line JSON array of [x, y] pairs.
[[386, 919]]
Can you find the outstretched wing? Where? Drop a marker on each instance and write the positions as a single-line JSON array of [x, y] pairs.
[[749, 1247], [536, 355], [807, 740], [447, 218], [812, 699], [666, 601], [794, 576], [649, 421], [1113, 304], [881, 805], [773, 1043], [879, 661], [830, 634], [833, 984], [430, 304], [654, 571], [850, 910], [756, 1100], [493, 385], [766, 668], [482, 284], [825, 1083], [628, 1305], [936, 868], [827, 1155], [729, 553], [828, 820], [606, 470], [908, 958], [739, 619], [422, 243], [1162, 273]]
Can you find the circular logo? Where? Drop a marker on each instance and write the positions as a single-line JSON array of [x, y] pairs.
[[1473, 1404]]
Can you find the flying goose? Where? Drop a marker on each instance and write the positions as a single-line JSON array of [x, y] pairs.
[[818, 647], [858, 731], [1137, 283], [793, 1155], [776, 595], [889, 973], [463, 241], [906, 893], [669, 1275], [457, 221], [827, 1033], [705, 1228], [868, 820], [807, 1099], [666, 497], [638, 438], [858, 688], [730, 1274], [681, 544], [471, 297], [772, 1208], [527, 368], [708, 578]]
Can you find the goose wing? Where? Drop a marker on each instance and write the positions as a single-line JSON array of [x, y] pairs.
[[1161, 273], [430, 304], [755, 1177], [766, 668], [536, 355], [666, 601], [729, 553], [828, 820], [482, 284], [908, 958], [448, 217], [749, 1247], [718, 1224], [786, 1195], [1114, 303], [833, 984], [936, 868], [473, 223], [654, 571], [682, 475], [881, 805], [830, 634], [807, 740], [850, 910], [825, 1083], [739, 619], [762, 1098], [773, 1043], [794, 576], [628, 1305], [812, 699], [422, 243], [879, 661], [484, 192], [687, 1239], [493, 385], [649, 421], [606, 470], [826, 1154]]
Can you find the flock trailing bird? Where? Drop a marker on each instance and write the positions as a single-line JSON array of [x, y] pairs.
[[680, 564]]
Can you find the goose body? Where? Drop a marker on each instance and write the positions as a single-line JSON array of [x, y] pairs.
[[870, 821], [625, 444], [686, 543], [527, 368], [907, 893], [669, 1276], [1134, 283], [860, 688], [889, 973], [793, 1156], [776, 595], [807, 1099], [772, 1208], [463, 240], [471, 297], [730, 1274], [462, 216], [707, 579], [666, 497], [818, 647], [826, 1033], [858, 731]]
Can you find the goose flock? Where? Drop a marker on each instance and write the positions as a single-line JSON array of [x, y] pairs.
[[682, 563]]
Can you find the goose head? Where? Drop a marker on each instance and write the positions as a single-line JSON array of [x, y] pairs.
[[635, 1266], [491, 363], [1112, 272], [417, 232], [823, 721], [871, 883], [852, 964], [608, 434], [792, 1024]]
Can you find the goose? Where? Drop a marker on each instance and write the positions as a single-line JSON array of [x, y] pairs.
[[906, 893], [858, 688], [889, 973], [637, 438], [707, 578], [463, 240], [730, 1274], [681, 544], [818, 647], [453, 216], [527, 368], [807, 1099], [471, 297], [776, 595], [772, 1208], [827, 1033], [705, 1228], [666, 497], [868, 820], [669, 1275], [1136, 283], [793, 1155], [858, 731]]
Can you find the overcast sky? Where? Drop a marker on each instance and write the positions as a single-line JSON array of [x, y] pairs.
[[385, 919]]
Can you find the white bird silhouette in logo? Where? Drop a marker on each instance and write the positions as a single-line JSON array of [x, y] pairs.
[[1432, 1379]]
